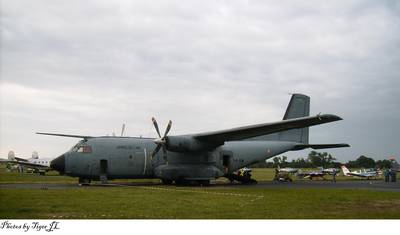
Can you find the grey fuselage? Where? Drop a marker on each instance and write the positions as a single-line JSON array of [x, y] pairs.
[[130, 157]]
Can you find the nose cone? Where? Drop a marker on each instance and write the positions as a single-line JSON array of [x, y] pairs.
[[58, 164]]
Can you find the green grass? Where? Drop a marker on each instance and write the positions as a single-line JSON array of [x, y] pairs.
[[196, 203], [52, 177], [189, 202]]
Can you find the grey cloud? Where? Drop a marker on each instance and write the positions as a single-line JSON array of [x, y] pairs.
[[88, 67]]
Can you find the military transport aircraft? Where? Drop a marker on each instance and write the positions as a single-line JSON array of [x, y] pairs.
[[194, 158]]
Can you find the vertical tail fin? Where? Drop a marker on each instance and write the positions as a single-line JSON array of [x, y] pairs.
[[11, 156], [299, 106], [345, 170], [35, 155]]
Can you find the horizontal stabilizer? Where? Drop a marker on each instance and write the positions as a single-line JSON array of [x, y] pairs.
[[66, 135], [320, 146]]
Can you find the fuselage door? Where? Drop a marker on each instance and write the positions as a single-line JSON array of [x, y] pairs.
[[103, 170], [139, 162], [226, 157]]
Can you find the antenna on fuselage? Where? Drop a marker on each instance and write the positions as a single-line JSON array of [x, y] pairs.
[[123, 130]]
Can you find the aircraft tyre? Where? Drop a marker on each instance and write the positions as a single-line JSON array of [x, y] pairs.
[[84, 181], [181, 182]]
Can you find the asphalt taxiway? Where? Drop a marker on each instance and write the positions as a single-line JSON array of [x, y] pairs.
[[348, 184]]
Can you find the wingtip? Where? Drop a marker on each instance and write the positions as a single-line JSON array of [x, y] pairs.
[[331, 117]]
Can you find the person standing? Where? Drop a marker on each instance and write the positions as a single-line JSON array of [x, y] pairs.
[[393, 175], [386, 173], [334, 176]]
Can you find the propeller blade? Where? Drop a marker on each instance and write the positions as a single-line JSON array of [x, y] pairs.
[[165, 153], [156, 126], [156, 150], [168, 128]]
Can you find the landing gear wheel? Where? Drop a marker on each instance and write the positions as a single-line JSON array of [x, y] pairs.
[[84, 181], [181, 182]]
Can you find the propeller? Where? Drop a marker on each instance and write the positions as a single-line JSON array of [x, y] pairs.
[[161, 141]]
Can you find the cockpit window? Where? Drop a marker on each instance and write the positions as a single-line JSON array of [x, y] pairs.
[[87, 149], [82, 147], [76, 146]]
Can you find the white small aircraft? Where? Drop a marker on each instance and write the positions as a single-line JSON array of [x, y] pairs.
[[361, 173], [329, 171], [288, 170], [38, 165]]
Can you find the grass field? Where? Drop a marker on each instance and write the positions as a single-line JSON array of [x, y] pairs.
[[143, 202], [190, 203]]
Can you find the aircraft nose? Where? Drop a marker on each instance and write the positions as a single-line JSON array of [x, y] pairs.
[[58, 164]]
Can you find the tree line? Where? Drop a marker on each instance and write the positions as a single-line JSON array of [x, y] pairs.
[[324, 159]]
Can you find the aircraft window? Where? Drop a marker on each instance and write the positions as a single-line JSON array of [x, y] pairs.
[[83, 149], [87, 149], [76, 146]]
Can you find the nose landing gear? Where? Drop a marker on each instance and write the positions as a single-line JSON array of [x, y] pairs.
[[84, 181]]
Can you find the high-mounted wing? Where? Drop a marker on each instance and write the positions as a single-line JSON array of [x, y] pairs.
[[21, 159], [245, 132], [65, 135]]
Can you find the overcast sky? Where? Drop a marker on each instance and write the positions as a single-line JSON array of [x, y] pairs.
[[86, 67]]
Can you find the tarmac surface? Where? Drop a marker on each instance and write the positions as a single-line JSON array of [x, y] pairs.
[[377, 185]]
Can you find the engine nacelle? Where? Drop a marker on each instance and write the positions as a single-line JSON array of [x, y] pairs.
[[186, 144]]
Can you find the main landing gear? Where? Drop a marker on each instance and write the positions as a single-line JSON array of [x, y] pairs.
[[84, 181]]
